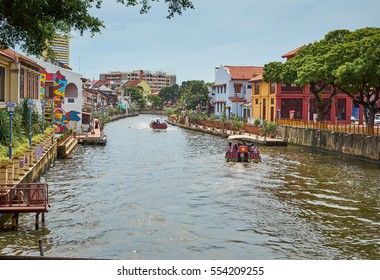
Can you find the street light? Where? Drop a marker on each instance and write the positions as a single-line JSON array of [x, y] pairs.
[[52, 113], [43, 103], [30, 106], [10, 108]]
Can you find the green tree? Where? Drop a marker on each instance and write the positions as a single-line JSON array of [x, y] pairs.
[[33, 24], [170, 93], [155, 100], [136, 95], [357, 69], [194, 93]]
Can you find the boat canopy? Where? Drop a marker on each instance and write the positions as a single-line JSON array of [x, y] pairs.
[[242, 138]]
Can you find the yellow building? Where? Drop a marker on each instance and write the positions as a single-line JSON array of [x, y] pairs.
[[19, 76], [263, 99], [61, 47], [140, 83]]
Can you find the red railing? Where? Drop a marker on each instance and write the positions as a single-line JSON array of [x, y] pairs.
[[24, 195], [344, 128]]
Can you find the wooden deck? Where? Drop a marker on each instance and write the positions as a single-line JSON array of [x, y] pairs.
[[24, 198], [96, 137]]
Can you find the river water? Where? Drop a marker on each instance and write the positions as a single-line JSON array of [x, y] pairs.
[[171, 195]]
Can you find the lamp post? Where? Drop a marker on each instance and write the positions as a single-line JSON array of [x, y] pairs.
[[52, 113], [43, 103], [30, 106], [11, 108]]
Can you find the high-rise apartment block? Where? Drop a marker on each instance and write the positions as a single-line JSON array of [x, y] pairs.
[[156, 80], [61, 48]]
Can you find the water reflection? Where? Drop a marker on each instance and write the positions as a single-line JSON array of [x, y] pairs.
[[171, 195]]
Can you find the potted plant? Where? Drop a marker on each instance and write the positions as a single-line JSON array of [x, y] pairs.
[[256, 122], [238, 124], [268, 128]]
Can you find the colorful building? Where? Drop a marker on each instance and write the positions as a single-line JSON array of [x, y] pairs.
[[263, 99], [294, 102], [62, 89], [232, 92]]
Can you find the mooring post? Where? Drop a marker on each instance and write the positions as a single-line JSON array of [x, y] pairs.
[[41, 247], [37, 218], [15, 221], [43, 217]]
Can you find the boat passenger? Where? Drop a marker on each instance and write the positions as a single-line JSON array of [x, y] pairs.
[[235, 147]]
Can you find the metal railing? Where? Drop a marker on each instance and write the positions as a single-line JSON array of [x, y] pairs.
[[344, 128], [25, 195]]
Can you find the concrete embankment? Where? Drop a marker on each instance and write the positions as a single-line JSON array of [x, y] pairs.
[[358, 145]]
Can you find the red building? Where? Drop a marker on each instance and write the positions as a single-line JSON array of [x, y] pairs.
[[295, 102]]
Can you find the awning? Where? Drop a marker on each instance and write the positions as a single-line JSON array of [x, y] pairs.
[[121, 106], [237, 99]]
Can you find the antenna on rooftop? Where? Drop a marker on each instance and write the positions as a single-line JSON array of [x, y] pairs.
[[79, 57]]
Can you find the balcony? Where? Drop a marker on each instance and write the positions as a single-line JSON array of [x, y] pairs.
[[291, 89]]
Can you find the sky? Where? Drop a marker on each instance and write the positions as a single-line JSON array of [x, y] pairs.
[[216, 32]]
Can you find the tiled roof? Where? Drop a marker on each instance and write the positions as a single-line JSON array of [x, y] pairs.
[[3, 53], [132, 83], [257, 78], [244, 72], [293, 52], [22, 58], [98, 83]]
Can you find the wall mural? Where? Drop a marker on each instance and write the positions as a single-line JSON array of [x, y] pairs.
[[42, 84], [62, 119]]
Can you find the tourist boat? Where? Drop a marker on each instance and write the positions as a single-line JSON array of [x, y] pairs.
[[157, 123], [242, 148]]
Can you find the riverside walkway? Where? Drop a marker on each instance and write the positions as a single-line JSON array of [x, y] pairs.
[[266, 141]]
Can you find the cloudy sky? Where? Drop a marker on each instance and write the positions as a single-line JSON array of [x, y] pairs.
[[216, 32]]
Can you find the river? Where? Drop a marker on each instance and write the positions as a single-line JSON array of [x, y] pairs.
[[171, 195]]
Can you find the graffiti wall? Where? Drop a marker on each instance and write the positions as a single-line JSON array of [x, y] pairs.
[[62, 119]]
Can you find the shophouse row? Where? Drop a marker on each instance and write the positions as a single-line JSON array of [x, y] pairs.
[[241, 91], [71, 97]]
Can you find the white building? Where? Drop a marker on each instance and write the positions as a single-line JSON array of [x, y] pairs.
[[65, 88], [232, 90]]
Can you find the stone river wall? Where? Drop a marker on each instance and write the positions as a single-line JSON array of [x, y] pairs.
[[365, 146]]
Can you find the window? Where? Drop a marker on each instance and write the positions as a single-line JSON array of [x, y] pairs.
[[291, 104], [257, 88], [22, 83], [273, 88], [257, 101], [2, 84], [71, 90], [237, 88], [272, 101], [49, 90], [341, 106]]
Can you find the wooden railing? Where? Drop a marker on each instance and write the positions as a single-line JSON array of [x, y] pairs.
[[23, 196], [344, 128]]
